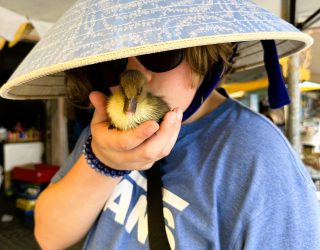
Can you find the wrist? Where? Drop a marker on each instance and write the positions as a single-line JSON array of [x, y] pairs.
[[97, 165]]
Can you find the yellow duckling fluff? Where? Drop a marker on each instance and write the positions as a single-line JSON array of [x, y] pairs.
[[133, 104]]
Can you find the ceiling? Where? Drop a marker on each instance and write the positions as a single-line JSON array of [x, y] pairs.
[[45, 10], [304, 9]]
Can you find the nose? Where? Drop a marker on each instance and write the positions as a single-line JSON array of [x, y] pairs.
[[134, 64]]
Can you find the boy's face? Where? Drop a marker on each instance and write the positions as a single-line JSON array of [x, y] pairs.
[[175, 86]]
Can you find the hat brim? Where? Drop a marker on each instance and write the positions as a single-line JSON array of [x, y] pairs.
[[72, 42]]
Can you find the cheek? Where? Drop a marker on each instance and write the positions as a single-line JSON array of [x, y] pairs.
[[175, 87], [180, 96]]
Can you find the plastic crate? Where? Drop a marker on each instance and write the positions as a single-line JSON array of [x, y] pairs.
[[35, 173]]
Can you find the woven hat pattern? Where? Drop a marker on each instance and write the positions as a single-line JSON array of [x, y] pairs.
[[99, 30]]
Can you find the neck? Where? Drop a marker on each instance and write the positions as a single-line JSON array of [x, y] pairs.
[[211, 103]]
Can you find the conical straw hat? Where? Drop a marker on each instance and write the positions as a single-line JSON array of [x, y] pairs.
[[94, 31]]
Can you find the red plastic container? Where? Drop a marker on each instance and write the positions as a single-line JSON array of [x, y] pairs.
[[36, 173]]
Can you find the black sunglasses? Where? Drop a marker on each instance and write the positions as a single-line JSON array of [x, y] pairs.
[[107, 74]]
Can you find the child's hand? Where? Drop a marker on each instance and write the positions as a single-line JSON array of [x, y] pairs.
[[135, 149]]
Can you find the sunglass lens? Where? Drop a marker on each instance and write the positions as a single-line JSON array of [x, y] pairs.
[[162, 61]]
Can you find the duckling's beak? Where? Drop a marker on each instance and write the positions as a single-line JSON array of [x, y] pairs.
[[130, 106]]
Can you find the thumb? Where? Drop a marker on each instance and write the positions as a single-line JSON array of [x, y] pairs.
[[99, 101]]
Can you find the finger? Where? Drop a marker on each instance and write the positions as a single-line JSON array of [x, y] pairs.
[[151, 150], [144, 155], [167, 149], [99, 101], [129, 139]]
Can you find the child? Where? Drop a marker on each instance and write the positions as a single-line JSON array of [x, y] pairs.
[[230, 179]]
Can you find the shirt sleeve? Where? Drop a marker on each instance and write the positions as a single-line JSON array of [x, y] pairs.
[[73, 157]]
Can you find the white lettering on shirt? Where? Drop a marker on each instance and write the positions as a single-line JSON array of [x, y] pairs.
[[119, 204], [138, 216], [124, 192], [170, 224]]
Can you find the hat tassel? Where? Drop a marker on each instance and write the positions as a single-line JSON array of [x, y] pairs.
[[277, 91]]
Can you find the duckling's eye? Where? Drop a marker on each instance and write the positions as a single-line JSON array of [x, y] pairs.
[[122, 90], [140, 90]]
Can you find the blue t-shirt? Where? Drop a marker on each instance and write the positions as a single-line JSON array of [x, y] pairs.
[[232, 181]]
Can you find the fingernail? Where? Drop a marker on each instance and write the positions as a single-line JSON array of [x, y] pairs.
[[179, 114]]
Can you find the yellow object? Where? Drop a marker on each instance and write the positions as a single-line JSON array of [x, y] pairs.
[[25, 204], [239, 88], [304, 74], [2, 42], [133, 104], [246, 86], [309, 86], [19, 34]]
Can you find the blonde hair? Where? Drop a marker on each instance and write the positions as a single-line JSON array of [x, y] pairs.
[[201, 59]]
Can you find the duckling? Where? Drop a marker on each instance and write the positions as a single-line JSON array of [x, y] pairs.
[[133, 104]]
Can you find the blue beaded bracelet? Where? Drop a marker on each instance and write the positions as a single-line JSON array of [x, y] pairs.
[[97, 165]]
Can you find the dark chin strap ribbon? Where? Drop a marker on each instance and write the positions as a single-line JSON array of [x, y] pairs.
[[206, 87], [277, 91]]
